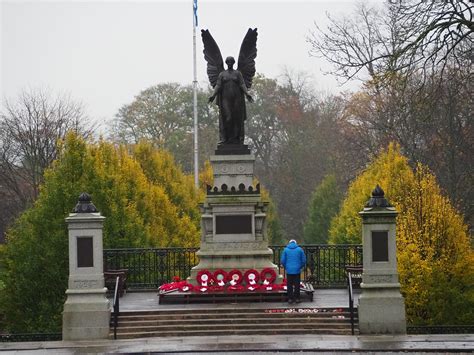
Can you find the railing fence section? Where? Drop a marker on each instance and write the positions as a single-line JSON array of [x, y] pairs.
[[19, 337], [151, 267], [148, 268]]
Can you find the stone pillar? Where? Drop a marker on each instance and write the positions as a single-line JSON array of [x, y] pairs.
[[87, 311], [381, 306]]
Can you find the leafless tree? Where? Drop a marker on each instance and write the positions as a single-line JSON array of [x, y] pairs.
[[402, 35], [358, 44], [436, 32], [30, 128]]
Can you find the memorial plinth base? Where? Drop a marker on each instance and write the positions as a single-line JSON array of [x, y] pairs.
[[381, 309], [86, 315], [233, 219]]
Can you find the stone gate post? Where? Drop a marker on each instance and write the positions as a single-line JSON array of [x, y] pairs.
[[86, 312], [381, 306]]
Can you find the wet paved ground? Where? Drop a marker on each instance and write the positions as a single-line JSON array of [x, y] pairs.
[[330, 298], [268, 344], [237, 344]]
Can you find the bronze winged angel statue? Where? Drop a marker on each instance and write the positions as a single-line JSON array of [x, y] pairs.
[[231, 86]]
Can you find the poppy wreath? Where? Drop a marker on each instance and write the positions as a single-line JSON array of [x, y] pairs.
[[236, 288], [268, 287], [220, 277], [268, 276], [200, 288], [186, 287], [173, 286], [279, 287], [216, 288], [204, 277], [251, 277], [234, 277]]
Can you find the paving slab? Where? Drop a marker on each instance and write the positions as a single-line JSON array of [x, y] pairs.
[[449, 343]]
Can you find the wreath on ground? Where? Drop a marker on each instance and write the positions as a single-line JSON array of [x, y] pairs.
[[234, 277], [251, 278], [204, 278], [268, 276], [220, 277]]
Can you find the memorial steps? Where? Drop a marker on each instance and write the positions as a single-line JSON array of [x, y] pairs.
[[234, 321]]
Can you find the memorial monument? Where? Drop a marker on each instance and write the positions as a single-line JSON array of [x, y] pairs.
[[233, 221]]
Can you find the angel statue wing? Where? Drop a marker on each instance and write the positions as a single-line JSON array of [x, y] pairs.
[[247, 55], [213, 57]]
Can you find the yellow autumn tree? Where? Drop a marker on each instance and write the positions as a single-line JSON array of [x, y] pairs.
[[434, 254], [435, 258], [391, 171], [152, 208]]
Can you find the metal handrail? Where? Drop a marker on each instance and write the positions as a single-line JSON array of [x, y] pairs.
[[351, 299], [116, 306]]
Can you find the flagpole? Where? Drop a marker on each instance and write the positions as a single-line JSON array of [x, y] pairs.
[[196, 151]]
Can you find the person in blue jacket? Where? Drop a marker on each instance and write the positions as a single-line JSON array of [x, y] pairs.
[[293, 260]]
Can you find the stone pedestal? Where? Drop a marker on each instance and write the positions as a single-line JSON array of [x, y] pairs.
[[87, 311], [233, 220], [381, 306]]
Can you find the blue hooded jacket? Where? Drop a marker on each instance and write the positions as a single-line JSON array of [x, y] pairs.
[[293, 258]]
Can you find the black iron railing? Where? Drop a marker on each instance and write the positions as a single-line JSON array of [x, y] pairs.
[[149, 268], [325, 264], [10, 338], [440, 329]]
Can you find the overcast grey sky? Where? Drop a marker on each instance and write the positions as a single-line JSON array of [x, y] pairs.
[[104, 53]]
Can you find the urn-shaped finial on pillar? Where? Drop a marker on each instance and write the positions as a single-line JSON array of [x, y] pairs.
[[85, 205], [381, 306], [86, 312]]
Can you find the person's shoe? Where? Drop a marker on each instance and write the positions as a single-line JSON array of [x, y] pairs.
[[291, 301], [298, 300]]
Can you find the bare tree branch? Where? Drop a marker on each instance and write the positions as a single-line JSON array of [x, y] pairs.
[[30, 128]]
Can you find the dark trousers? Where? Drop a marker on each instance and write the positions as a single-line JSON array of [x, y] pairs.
[[293, 286]]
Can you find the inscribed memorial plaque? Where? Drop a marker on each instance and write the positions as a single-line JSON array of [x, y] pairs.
[[85, 252], [379, 246], [234, 224]]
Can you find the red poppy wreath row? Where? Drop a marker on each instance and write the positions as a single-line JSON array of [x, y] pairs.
[[217, 281], [235, 277]]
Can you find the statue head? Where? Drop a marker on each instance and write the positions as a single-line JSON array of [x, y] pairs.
[[230, 61]]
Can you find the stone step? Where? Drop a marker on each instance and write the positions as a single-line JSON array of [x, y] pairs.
[[225, 318], [248, 331], [185, 328], [238, 309], [199, 316], [337, 323], [234, 320], [270, 310]]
